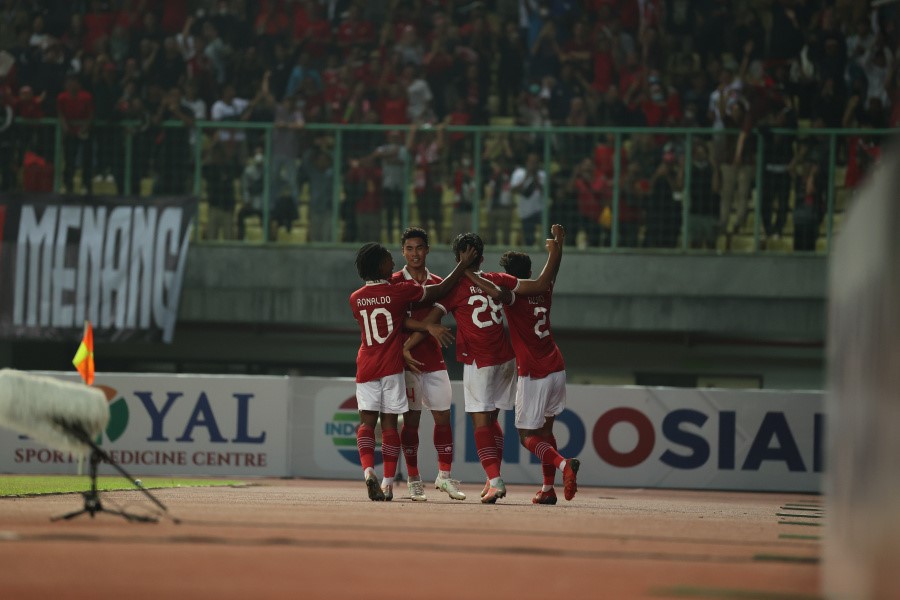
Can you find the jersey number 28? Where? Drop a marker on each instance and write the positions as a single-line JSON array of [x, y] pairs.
[[485, 304]]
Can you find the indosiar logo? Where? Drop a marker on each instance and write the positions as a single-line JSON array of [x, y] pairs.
[[342, 431], [118, 413]]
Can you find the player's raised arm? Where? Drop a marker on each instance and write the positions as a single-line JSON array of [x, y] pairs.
[[531, 287], [433, 292], [496, 293]]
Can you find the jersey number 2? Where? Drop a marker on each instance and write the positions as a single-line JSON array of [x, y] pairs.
[[540, 314]]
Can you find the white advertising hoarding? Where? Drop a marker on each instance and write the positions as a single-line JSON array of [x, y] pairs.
[[624, 436], [178, 425], [306, 426]]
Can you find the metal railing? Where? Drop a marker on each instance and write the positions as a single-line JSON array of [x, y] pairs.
[[634, 192]]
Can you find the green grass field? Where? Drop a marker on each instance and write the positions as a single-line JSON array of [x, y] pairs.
[[33, 485]]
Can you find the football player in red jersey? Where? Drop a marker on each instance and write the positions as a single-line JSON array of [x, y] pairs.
[[489, 369], [429, 385], [541, 386], [380, 309]]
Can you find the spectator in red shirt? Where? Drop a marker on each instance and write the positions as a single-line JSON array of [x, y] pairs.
[[98, 24], [75, 107], [463, 194], [604, 68], [577, 51], [27, 105], [337, 94], [35, 139], [392, 105], [592, 194], [272, 23], [354, 31], [271, 20], [311, 29], [74, 39], [438, 66], [7, 141], [426, 177], [459, 116], [364, 193], [511, 69], [631, 73]]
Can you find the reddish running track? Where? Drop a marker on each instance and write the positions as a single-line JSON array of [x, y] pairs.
[[325, 539]]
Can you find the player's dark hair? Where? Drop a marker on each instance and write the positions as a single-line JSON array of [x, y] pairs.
[[464, 241], [368, 261], [517, 264], [414, 232]]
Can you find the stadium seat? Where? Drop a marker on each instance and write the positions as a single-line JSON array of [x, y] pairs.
[[840, 175], [742, 243], [785, 244], [838, 222], [842, 199], [299, 235], [254, 233]]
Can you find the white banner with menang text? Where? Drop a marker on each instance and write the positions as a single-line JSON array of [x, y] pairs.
[[624, 437], [177, 425]]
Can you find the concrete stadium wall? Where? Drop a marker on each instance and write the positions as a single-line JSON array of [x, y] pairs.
[[772, 297]]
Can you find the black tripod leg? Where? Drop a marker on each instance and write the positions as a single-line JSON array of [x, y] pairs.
[[68, 516], [92, 503]]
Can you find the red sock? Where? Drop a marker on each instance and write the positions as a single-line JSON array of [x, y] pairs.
[[487, 451], [443, 443], [498, 439], [547, 464], [409, 441], [541, 447], [365, 442], [390, 450]]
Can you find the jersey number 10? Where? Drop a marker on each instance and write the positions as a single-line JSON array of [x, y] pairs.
[[370, 323]]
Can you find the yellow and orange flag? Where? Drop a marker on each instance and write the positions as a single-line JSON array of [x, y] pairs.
[[84, 358]]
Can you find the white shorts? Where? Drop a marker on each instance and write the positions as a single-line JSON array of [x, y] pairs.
[[537, 399], [428, 390], [488, 388], [387, 395]]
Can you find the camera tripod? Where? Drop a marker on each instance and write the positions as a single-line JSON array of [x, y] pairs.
[[92, 504]]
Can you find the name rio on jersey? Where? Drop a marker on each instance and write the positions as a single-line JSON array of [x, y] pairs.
[[482, 305]]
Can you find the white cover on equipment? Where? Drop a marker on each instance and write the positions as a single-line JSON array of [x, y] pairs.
[[862, 542], [34, 405]]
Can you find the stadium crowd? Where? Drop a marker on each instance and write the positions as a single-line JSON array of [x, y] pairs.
[[749, 66]]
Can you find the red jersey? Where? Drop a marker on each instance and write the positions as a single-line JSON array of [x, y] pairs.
[[76, 108], [428, 351], [537, 354], [480, 335], [380, 309], [392, 110]]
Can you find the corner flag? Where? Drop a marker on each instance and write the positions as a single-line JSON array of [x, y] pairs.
[[84, 357]]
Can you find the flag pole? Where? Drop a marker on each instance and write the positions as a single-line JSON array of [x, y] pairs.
[[84, 364]]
